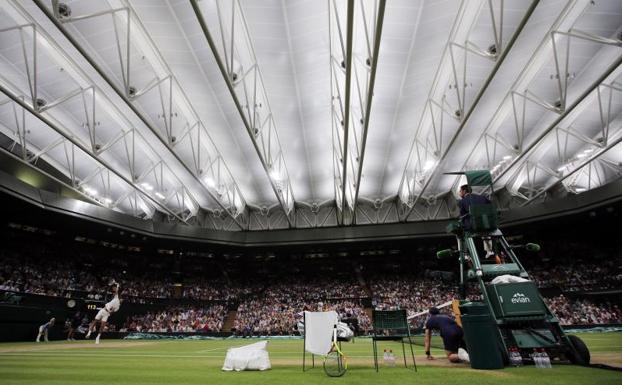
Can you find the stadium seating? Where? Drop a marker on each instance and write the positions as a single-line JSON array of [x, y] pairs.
[[269, 302]]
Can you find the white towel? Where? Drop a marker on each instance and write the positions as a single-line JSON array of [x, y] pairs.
[[319, 331]]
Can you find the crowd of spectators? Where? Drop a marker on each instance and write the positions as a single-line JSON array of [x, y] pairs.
[[219, 289], [576, 266], [178, 319], [22, 276], [278, 309], [411, 293], [580, 277], [583, 311], [53, 276], [272, 304]]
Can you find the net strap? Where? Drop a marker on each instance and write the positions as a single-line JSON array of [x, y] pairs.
[[426, 311]]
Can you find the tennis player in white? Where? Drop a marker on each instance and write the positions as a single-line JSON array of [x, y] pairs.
[[105, 312], [43, 330]]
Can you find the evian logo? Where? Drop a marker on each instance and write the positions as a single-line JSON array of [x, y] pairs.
[[520, 298]]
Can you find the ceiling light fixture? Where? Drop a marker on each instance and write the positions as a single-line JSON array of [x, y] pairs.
[[210, 182], [275, 174], [428, 165]]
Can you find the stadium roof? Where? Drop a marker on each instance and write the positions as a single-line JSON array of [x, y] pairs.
[[271, 114]]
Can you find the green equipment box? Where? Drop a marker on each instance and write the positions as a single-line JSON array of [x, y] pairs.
[[519, 299]]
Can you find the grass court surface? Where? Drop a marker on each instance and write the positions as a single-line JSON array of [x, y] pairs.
[[172, 362]]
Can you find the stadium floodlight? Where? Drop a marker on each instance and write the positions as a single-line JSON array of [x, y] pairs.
[[90, 190], [147, 186], [210, 182], [159, 195], [275, 175], [429, 164]]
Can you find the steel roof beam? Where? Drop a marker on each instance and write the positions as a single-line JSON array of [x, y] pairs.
[[577, 169], [595, 85], [428, 152], [281, 185], [348, 96], [478, 97], [370, 93], [600, 143], [341, 114], [17, 100], [124, 96], [68, 186], [42, 105], [519, 89]]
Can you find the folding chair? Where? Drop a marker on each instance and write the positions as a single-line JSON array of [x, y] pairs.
[[391, 325]]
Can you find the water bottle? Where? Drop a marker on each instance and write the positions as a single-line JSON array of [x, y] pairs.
[[386, 357], [546, 360], [391, 358]]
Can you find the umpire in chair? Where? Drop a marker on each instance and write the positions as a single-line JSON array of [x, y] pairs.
[[468, 198]]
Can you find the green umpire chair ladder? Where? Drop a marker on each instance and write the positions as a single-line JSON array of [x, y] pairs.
[[391, 325]]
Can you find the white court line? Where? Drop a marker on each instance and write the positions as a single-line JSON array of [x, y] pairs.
[[211, 350], [105, 353], [140, 355], [85, 354]]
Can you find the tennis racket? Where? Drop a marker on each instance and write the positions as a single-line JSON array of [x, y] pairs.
[[335, 363]]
